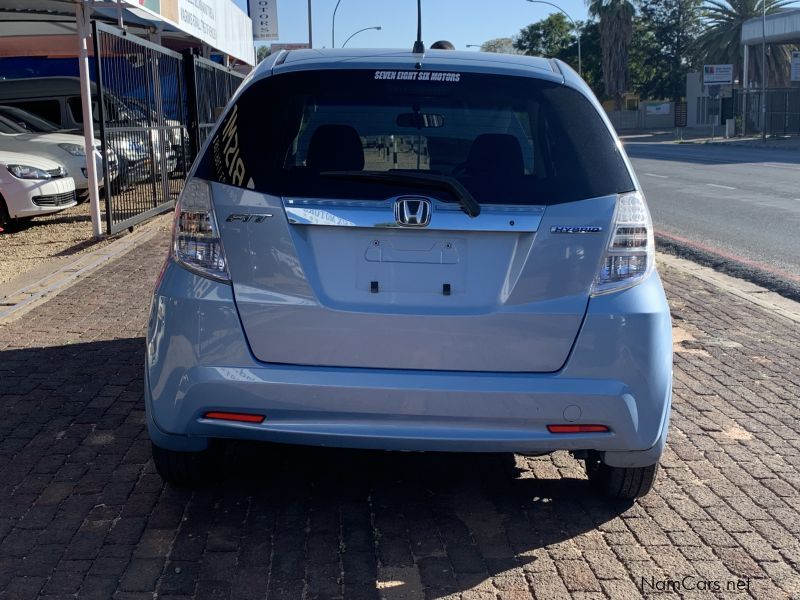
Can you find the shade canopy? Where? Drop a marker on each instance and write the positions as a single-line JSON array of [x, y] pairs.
[[779, 27]]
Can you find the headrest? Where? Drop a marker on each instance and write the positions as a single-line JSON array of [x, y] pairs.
[[335, 148], [495, 155]]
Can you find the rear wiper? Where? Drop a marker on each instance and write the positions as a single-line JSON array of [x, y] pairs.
[[420, 180]]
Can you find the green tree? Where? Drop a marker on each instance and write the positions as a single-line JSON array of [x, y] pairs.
[[548, 37], [555, 37], [646, 70], [504, 45], [615, 21], [592, 62], [719, 42], [262, 52], [667, 39]]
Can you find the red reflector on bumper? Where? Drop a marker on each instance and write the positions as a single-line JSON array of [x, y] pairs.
[[577, 428], [241, 417]]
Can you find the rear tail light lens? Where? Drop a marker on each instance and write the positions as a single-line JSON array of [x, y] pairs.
[[571, 428], [197, 244], [630, 256], [237, 417]]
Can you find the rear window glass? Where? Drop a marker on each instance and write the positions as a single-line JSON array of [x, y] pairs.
[[508, 140]]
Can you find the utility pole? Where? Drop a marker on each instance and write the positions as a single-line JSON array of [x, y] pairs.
[[763, 71], [310, 41], [333, 24]]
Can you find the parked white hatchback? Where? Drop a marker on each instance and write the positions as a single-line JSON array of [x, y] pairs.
[[31, 186], [66, 149]]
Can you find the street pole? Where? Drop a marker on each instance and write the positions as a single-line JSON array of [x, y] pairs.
[[376, 28], [763, 71], [574, 25], [745, 88], [310, 40], [83, 21], [333, 24]]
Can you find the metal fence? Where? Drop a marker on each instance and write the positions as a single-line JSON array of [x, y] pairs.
[[140, 105], [782, 115], [155, 108], [209, 87], [642, 118]]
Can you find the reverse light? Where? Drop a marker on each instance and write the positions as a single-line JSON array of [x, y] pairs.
[[238, 417], [197, 244], [630, 256], [571, 428]]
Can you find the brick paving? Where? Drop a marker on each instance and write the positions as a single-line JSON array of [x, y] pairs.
[[83, 514]]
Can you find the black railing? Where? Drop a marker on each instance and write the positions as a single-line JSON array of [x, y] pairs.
[[141, 110], [209, 87], [155, 108], [782, 115]]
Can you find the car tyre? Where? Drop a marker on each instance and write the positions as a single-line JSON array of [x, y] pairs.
[[5, 218], [620, 483], [184, 469]]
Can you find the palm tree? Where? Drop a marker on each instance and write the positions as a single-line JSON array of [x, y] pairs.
[[721, 41], [615, 21]]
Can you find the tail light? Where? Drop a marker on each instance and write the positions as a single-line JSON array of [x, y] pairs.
[[630, 256], [197, 244]]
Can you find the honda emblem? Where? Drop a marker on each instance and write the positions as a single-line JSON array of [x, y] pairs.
[[412, 212]]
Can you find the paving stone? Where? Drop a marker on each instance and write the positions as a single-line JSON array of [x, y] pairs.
[[83, 513]]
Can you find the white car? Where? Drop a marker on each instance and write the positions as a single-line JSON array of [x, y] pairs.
[[31, 186], [65, 148]]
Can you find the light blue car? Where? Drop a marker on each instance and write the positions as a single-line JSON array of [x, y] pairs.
[[438, 252]]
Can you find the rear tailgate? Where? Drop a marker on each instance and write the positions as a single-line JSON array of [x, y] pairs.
[[345, 296], [326, 272]]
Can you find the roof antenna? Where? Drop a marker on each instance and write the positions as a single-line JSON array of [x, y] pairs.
[[419, 47]]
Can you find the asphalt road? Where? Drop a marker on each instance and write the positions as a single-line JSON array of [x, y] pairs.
[[738, 204]]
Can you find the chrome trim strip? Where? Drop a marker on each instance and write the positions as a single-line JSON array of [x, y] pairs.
[[445, 216]]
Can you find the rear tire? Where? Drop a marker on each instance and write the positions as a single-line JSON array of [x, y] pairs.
[[184, 469], [620, 483]]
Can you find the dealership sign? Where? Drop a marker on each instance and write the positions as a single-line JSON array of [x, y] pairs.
[[273, 48], [718, 74], [264, 14], [219, 23]]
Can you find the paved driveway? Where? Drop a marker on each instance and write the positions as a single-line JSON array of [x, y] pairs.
[[83, 513]]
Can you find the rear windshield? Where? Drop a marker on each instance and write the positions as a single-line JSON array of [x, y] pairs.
[[508, 140]]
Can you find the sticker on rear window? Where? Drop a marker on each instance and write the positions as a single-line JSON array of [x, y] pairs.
[[228, 162], [444, 77]]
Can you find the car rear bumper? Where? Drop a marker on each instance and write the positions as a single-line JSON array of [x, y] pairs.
[[619, 375]]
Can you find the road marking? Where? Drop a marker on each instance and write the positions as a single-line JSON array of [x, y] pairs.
[[659, 176], [724, 187]]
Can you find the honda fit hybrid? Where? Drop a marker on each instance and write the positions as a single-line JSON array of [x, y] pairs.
[[389, 250]]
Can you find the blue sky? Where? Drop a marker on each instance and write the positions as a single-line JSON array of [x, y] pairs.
[[460, 21]]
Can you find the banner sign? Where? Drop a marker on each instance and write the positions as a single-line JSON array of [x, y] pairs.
[[658, 109], [795, 66], [717, 74], [219, 23], [264, 14], [273, 48]]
